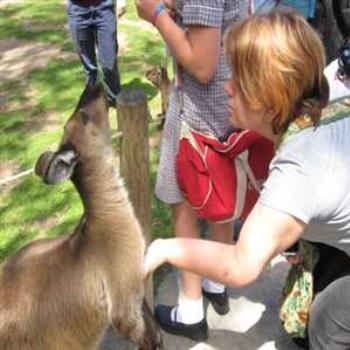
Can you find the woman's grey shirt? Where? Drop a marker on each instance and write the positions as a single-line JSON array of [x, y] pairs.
[[310, 180]]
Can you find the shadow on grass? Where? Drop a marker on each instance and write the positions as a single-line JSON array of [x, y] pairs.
[[44, 11], [58, 86], [32, 124], [18, 21]]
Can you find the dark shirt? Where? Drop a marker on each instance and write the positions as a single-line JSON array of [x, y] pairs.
[[87, 2]]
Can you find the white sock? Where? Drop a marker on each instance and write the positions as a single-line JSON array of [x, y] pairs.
[[188, 311], [212, 287]]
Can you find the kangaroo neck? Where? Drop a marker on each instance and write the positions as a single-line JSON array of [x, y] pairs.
[[100, 188]]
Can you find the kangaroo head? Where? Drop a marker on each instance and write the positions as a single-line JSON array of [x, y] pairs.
[[154, 76], [86, 135]]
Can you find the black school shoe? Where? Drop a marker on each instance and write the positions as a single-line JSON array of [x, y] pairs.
[[197, 331], [219, 301]]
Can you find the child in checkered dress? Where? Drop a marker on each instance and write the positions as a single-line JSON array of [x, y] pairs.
[[194, 31]]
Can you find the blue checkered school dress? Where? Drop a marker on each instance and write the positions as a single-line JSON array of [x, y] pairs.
[[205, 105]]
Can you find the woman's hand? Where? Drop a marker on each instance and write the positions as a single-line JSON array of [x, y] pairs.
[[155, 256], [294, 259], [145, 8]]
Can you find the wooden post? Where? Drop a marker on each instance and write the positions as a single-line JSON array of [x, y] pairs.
[[133, 117]]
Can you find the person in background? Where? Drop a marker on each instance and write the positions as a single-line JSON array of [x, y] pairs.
[[307, 192], [338, 74], [195, 38], [264, 6], [307, 8], [93, 26]]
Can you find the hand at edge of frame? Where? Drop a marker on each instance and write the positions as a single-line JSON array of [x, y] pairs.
[[294, 259]]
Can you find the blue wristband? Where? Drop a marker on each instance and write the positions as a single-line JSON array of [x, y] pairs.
[[157, 11]]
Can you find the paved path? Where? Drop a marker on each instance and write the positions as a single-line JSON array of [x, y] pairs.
[[252, 323]]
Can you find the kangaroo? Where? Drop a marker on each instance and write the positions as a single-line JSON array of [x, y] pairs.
[[158, 76], [58, 294]]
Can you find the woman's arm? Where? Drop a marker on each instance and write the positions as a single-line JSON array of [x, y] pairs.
[[196, 49], [265, 234]]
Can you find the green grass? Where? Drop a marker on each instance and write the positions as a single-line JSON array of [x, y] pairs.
[[35, 111], [43, 21]]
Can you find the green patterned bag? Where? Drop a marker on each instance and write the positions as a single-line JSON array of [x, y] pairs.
[[297, 294]]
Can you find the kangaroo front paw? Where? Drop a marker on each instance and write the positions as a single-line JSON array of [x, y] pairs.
[[153, 342]]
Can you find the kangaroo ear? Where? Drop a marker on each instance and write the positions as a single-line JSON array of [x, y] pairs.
[[61, 167]]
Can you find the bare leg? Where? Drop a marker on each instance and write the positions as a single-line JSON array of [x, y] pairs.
[[216, 292], [222, 232], [186, 225], [187, 319]]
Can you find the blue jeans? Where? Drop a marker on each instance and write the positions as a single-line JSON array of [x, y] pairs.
[[93, 25]]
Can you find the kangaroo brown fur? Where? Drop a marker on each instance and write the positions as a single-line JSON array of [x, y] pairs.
[[58, 294]]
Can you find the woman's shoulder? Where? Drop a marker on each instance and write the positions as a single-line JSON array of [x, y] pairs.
[[316, 147]]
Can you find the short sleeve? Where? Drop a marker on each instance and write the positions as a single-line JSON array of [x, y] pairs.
[[208, 13], [289, 189]]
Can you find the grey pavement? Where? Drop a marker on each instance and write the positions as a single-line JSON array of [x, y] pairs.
[[252, 323]]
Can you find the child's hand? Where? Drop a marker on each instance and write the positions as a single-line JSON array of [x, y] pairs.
[[145, 8]]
